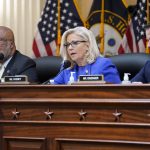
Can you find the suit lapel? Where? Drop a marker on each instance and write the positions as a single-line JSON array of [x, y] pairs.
[[8, 70]]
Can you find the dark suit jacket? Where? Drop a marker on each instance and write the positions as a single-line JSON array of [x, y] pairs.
[[143, 75], [21, 65]]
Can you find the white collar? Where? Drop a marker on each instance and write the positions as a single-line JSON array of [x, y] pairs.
[[4, 65]]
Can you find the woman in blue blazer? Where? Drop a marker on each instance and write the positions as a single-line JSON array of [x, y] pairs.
[[79, 46]]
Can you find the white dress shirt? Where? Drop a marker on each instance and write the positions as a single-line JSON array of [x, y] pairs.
[[3, 66]]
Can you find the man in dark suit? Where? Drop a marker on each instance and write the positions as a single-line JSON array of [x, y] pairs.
[[12, 62], [144, 74]]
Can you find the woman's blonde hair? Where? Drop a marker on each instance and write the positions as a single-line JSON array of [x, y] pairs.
[[85, 34]]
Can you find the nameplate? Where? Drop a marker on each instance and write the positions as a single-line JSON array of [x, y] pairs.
[[91, 78], [19, 79]]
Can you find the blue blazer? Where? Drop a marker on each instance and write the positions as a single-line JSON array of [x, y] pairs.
[[100, 66], [143, 75], [21, 65]]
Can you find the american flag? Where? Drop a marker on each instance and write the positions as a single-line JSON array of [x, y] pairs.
[[134, 40], [45, 41]]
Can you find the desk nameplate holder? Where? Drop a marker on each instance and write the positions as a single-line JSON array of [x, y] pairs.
[[18, 79], [90, 79]]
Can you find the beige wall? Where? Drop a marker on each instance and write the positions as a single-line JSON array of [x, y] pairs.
[[21, 16]]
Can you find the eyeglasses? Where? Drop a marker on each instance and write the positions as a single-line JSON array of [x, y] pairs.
[[4, 40], [73, 44]]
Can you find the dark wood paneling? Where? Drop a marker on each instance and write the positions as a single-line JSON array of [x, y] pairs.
[[80, 144], [24, 143], [94, 112], [104, 117], [75, 91]]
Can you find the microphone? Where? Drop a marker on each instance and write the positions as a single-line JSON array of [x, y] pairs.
[[1, 56], [66, 64]]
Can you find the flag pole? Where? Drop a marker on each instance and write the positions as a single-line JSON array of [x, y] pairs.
[[148, 15], [58, 29], [148, 21], [102, 29]]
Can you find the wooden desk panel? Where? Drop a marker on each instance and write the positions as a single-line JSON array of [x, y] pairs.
[[75, 117], [75, 91]]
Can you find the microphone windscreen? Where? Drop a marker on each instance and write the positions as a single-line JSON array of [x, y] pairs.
[[1, 56], [67, 64]]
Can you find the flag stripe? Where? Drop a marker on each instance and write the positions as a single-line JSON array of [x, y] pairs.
[[53, 47], [129, 39], [40, 45], [134, 45], [35, 49], [48, 49]]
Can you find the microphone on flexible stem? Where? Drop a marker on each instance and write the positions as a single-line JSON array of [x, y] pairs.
[[1, 59], [66, 64], [1, 56]]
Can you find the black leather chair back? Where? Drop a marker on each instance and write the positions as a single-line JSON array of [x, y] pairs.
[[130, 63], [47, 67]]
